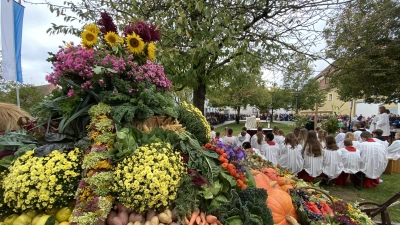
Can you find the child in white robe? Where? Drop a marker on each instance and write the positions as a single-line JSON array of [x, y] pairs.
[[350, 135], [290, 154], [377, 136], [340, 136], [280, 138], [270, 149], [373, 160], [242, 137], [312, 154], [332, 164], [302, 136], [258, 139], [321, 137], [394, 148], [229, 139], [351, 161]]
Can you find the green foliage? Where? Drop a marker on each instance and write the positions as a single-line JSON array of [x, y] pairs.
[[12, 140], [194, 121], [330, 124], [362, 38]]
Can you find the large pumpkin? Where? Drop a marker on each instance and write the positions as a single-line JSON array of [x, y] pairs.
[[271, 173], [284, 181], [282, 208], [262, 181]]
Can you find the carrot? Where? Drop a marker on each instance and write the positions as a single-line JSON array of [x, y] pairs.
[[186, 221], [195, 214], [211, 219], [219, 222], [203, 217], [198, 220]]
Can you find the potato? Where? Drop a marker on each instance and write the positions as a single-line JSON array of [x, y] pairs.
[[111, 216], [137, 223], [116, 221], [147, 223], [123, 216], [154, 220], [150, 215], [135, 217], [130, 223], [168, 212], [164, 218], [121, 208]]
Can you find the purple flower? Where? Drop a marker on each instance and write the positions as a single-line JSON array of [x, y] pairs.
[[106, 23], [70, 93]]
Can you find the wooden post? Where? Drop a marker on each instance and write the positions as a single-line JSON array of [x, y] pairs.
[[316, 116]]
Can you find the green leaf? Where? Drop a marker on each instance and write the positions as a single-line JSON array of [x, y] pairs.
[[210, 154], [111, 70], [229, 178], [6, 161], [98, 69]]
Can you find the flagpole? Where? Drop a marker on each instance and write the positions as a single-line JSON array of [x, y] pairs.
[[17, 86]]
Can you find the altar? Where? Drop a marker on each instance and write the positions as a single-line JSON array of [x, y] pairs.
[[253, 131]]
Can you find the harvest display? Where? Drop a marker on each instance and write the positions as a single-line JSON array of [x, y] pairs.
[[112, 147]]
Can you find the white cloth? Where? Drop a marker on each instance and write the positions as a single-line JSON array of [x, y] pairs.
[[372, 126], [339, 139], [351, 161], [355, 144], [279, 139], [357, 135], [229, 140], [323, 144], [241, 139], [332, 164], [251, 122], [212, 134], [257, 151], [254, 142], [382, 122], [394, 150], [270, 152], [373, 159], [384, 143], [290, 158], [313, 165]]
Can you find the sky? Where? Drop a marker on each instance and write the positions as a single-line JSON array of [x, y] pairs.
[[36, 43]]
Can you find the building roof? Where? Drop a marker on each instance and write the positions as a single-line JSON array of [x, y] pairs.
[[329, 69], [46, 88]]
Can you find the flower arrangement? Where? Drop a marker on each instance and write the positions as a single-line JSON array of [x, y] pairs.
[[348, 214], [150, 178], [93, 197], [119, 67], [194, 121], [42, 182], [231, 157]]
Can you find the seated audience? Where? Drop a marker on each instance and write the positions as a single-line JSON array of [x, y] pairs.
[[270, 149], [332, 164], [312, 154], [351, 162], [229, 139], [394, 148], [290, 154]]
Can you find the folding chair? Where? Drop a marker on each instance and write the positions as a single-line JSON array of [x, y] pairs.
[[372, 209]]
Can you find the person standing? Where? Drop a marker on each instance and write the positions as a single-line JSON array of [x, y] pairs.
[[382, 122]]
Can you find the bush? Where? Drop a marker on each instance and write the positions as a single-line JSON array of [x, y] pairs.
[[194, 121]]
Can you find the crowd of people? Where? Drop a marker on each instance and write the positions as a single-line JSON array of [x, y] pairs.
[[363, 154]]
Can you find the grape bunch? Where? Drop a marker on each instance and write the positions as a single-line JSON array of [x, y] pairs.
[[302, 194], [311, 215]]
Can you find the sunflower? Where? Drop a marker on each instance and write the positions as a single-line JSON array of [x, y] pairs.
[[151, 51], [89, 38], [92, 28], [135, 43], [112, 38]]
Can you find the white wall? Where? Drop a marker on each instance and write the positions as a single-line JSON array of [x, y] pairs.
[[366, 109]]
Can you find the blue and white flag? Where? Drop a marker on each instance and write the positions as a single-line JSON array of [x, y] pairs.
[[12, 15]]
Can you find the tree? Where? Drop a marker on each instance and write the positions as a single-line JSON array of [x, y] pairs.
[[244, 86], [298, 80], [363, 39], [201, 37]]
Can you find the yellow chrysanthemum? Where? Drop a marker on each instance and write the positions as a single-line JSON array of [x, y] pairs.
[[112, 38], [151, 51], [92, 28], [89, 38], [135, 43]]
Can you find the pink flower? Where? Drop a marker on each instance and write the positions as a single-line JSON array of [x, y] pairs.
[[70, 93]]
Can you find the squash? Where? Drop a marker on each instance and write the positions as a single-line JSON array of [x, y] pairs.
[[284, 181], [271, 173], [262, 181], [281, 207], [274, 185], [286, 187]]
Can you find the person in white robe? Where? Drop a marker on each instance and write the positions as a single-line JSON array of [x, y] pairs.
[[258, 139], [243, 137], [372, 125], [356, 131], [373, 160], [321, 137], [394, 148], [290, 154], [312, 154], [212, 133], [280, 138], [270, 149], [350, 135], [382, 122], [229, 139], [351, 162], [332, 163], [377, 136], [340, 137]]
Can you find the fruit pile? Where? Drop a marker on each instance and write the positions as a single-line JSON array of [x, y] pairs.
[[57, 216]]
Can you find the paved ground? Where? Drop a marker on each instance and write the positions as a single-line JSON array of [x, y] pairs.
[[232, 121]]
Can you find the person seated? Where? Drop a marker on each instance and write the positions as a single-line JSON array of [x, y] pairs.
[[258, 139], [340, 137], [373, 161], [290, 154], [332, 164], [242, 137], [377, 136], [321, 137], [351, 161], [280, 138], [229, 139], [356, 131], [212, 133], [270, 149], [248, 137], [217, 136], [350, 135], [312, 154], [394, 148]]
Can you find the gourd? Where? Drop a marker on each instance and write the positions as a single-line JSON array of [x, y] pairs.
[[271, 173], [282, 208], [262, 181], [283, 181], [286, 187]]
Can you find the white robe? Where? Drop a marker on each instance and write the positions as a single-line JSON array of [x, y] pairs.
[[257, 151], [339, 139], [279, 139], [212, 134], [291, 158], [382, 122], [394, 150], [351, 161], [254, 143], [373, 159], [270, 152], [356, 143], [384, 143], [241, 139], [372, 126], [332, 164], [357, 134], [229, 140], [313, 165]]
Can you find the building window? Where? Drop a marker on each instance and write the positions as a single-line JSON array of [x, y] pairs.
[[330, 96]]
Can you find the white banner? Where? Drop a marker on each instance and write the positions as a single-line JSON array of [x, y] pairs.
[[8, 40]]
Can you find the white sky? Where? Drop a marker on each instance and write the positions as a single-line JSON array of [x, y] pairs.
[[36, 43]]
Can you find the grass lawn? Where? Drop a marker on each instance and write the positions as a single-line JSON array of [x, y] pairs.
[[237, 128], [379, 194]]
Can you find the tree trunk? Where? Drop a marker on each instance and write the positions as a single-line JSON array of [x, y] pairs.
[[238, 115], [199, 96], [272, 115]]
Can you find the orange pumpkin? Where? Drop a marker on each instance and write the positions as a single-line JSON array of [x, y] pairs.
[[284, 181], [286, 187], [271, 173], [262, 181], [275, 185], [281, 206]]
